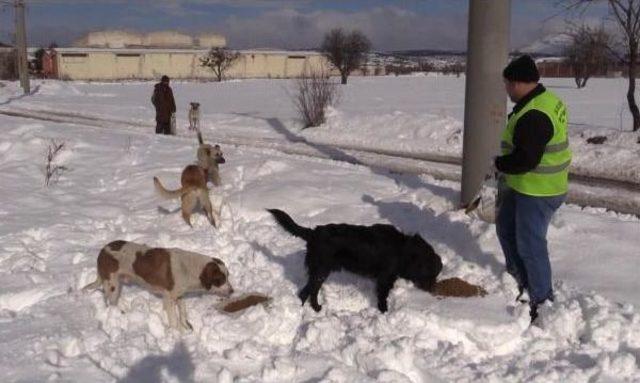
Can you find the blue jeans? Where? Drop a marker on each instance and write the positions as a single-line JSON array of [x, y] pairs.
[[521, 224]]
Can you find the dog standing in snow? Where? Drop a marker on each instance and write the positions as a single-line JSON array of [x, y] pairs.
[[380, 252], [194, 116], [168, 272], [209, 157], [193, 189]]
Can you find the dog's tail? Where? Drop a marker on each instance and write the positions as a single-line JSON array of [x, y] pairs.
[[289, 225], [164, 192], [200, 140], [93, 285]]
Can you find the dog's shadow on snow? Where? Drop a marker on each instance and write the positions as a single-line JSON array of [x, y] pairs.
[[177, 364], [295, 272], [409, 218]]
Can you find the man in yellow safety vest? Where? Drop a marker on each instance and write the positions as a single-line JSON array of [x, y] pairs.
[[534, 179]]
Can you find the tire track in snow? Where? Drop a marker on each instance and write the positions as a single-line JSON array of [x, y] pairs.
[[585, 191]]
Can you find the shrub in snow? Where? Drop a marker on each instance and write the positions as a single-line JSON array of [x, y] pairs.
[[314, 92], [52, 170]]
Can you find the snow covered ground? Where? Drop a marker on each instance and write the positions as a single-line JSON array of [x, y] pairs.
[[50, 237], [412, 114]]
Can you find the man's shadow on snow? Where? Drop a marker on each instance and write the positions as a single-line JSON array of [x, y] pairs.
[[409, 218], [31, 93], [409, 180], [177, 364]]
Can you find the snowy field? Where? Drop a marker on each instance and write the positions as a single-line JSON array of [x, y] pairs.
[[411, 114], [50, 237]]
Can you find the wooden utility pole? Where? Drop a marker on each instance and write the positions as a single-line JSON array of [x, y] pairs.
[[21, 46]]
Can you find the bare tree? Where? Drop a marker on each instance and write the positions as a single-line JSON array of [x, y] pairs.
[[347, 52], [626, 14], [219, 60], [37, 61], [588, 52], [314, 93], [8, 67]]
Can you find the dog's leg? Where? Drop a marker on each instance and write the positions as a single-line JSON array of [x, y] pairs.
[[169, 307], [304, 293], [111, 289], [106, 289], [383, 287], [188, 204], [316, 279], [184, 322], [205, 202]]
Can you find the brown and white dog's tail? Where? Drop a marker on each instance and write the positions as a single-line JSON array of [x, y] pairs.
[[164, 192], [93, 285]]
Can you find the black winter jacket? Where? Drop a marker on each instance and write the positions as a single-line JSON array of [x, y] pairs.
[[531, 134]]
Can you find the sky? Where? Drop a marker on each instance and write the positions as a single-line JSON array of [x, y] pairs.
[[284, 24]]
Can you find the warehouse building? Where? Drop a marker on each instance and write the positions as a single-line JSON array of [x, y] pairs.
[[119, 55]]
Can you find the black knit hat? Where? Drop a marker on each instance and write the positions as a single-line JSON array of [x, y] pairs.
[[164, 78], [522, 69]]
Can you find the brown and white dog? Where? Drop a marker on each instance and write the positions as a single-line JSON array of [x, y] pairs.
[[193, 183], [168, 272], [193, 190]]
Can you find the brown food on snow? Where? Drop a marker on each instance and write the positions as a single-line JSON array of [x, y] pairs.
[[456, 287], [244, 302]]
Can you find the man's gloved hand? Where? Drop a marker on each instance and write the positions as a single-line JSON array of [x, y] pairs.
[[493, 171]]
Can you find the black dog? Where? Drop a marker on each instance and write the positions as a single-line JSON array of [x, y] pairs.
[[380, 252]]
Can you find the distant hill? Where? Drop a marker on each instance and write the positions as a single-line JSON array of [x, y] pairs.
[[550, 45], [427, 53]]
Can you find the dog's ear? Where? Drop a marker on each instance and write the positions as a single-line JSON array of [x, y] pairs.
[[208, 151], [211, 275]]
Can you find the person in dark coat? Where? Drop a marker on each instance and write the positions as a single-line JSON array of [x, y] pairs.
[[165, 105]]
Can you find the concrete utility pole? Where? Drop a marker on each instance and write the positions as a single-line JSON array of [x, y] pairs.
[[485, 98], [21, 46]]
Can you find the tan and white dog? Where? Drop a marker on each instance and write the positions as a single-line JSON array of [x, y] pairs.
[[168, 272], [194, 116], [209, 157], [193, 190], [193, 181]]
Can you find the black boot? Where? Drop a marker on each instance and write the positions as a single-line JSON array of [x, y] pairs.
[[520, 292], [533, 312]]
